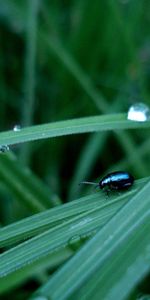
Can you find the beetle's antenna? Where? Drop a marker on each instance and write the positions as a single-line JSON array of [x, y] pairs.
[[89, 182]]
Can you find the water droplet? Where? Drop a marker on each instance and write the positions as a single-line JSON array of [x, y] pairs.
[[4, 148], [139, 112], [43, 134], [17, 128], [81, 223], [74, 242]]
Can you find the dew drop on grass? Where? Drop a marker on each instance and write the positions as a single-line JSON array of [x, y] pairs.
[[139, 112], [4, 148], [74, 242], [17, 128], [81, 223]]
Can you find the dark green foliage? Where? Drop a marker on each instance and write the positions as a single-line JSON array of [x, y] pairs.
[[63, 60]]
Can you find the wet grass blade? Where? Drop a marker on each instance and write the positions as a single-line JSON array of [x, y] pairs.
[[40, 222], [110, 254], [17, 263], [82, 125]]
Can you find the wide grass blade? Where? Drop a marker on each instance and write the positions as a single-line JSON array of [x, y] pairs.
[[111, 263], [24, 259], [34, 269], [38, 223], [49, 219]]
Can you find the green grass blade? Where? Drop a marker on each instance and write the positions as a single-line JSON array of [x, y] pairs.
[[25, 186], [131, 160], [74, 68], [11, 233], [93, 93], [49, 241], [58, 237], [88, 156], [50, 261], [30, 71], [86, 162], [38, 223], [35, 224], [99, 257], [129, 146], [132, 266], [82, 125], [30, 61]]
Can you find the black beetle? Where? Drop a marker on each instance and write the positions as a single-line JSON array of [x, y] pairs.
[[119, 180]]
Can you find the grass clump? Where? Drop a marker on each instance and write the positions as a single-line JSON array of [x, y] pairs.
[[69, 72]]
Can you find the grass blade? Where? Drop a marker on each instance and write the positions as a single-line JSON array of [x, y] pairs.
[[30, 71], [16, 260], [26, 187], [76, 277], [40, 222], [82, 125]]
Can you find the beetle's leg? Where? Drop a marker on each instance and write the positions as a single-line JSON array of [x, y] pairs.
[[108, 191], [96, 186]]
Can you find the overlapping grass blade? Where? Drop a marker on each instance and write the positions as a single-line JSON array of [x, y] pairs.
[[52, 240], [38, 223], [49, 241], [113, 261], [48, 262], [16, 264], [35, 224]]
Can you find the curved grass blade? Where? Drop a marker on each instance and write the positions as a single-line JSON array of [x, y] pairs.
[[74, 126]]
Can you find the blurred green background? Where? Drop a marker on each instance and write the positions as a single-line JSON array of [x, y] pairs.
[[68, 59]]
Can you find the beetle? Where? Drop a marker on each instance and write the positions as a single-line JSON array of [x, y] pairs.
[[115, 181]]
